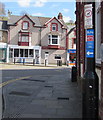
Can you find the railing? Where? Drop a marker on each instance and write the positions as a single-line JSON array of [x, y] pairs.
[[23, 60]]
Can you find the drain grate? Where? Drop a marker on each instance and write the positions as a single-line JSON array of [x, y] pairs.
[[48, 86], [19, 93], [63, 98], [34, 80]]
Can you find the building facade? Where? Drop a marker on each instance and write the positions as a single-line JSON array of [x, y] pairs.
[[71, 53], [81, 38], [3, 39], [38, 38]]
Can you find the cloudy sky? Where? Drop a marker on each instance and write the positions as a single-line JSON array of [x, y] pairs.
[[45, 8]]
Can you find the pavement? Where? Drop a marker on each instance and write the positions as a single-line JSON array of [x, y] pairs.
[[29, 66], [42, 93]]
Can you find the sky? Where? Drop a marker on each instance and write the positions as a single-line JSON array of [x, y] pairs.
[[44, 8]]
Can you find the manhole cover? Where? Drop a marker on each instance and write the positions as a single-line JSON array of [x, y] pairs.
[[19, 93], [33, 80], [63, 98]]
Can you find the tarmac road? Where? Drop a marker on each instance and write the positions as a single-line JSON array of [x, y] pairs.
[[40, 93]]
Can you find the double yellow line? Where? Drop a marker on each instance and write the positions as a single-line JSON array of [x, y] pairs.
[[10, 81]]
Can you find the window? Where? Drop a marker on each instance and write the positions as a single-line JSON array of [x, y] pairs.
[[57, 56], [21, 52], [98, 35], [53, 39], [74, 40], [11, 53], [25, 25], [30, 52], [24, 38], [54, 27], [16, 52]]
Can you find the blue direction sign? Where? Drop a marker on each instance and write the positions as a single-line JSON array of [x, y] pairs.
[[90, 45], [89, 53], [90, 32]]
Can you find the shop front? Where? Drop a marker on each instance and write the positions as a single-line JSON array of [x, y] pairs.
[[71, 57], [28, 53], [3, 52]]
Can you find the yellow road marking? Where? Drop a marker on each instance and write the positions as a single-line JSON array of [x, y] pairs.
[[10, 81]]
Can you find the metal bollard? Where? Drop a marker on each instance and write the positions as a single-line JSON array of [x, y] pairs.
[[33, 61], [14, 60], [23, 61], [45, 62]]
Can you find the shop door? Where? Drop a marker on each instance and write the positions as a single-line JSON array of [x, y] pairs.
[[37, 56]]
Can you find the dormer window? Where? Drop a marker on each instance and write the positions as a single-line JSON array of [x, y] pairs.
[[25, 25], [54, 27]]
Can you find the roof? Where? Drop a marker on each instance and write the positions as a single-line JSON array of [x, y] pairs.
[[71, 30], [39, 21], [43, 20]]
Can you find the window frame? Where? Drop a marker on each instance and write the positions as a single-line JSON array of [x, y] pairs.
[[98, 43], [50, 42], [56, 26], [23, 28]]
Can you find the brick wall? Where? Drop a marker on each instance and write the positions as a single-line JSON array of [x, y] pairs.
[[80, 37]]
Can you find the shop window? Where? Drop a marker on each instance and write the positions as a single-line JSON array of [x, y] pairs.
[[16, 52], [57, 56], [26, 52], [30, 52], [21, 52], [2, 54], [11, 53]]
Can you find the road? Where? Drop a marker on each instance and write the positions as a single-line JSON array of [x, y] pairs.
[[40, 93]]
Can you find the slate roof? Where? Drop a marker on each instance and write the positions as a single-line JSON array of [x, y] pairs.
[[39, 21]]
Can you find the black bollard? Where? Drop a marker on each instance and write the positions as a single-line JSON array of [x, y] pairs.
[[23, 61], [14, 60], [33, 61], [74, 74]]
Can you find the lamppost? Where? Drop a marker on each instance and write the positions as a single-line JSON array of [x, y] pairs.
[[90, 78]]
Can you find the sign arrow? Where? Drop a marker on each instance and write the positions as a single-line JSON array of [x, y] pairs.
[[89, 53]]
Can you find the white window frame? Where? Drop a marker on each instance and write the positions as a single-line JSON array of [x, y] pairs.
[[54, 26], [50, 38], [25, 25]]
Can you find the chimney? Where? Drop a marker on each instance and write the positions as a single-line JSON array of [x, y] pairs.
[[9, 13], [60, 16]]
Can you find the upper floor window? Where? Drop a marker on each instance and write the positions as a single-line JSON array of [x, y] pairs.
[[53, 39], [54, 27], [25, 25], [23, 37]]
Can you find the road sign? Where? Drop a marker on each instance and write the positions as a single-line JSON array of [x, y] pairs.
[[90, 32], [90, 45], [90, 35], [90, 53], [88, 16]]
